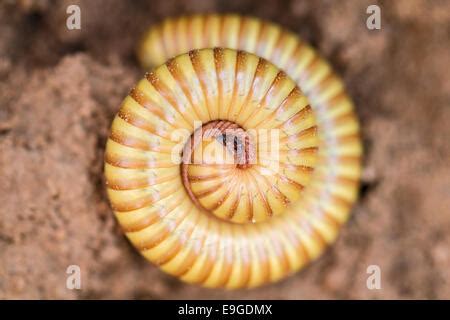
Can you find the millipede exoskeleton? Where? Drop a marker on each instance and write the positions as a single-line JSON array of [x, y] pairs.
[[236, 160]]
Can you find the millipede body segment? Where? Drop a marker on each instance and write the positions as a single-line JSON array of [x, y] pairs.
[[235, 162]]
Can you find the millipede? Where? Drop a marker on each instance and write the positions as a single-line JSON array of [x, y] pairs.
[[236, 160]]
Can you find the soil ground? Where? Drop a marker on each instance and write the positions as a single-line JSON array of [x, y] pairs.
[[60, 89]]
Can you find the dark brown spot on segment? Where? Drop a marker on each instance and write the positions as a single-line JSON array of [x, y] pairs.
[[278, 82], [219, 65], [135, 120], [292, 97], [201, 73], [141, 99], [218, 59], [254, 87], [183, 82], [241, 58], [282, 107], [261, 68], [165, 92]]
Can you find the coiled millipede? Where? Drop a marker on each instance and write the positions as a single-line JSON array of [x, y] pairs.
[[224, 85]]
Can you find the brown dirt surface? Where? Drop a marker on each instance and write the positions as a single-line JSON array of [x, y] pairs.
[[60, 89]]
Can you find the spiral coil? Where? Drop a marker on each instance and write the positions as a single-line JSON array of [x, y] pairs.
[[265, 214]]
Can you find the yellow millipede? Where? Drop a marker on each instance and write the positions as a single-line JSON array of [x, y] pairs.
[[237, 159]]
